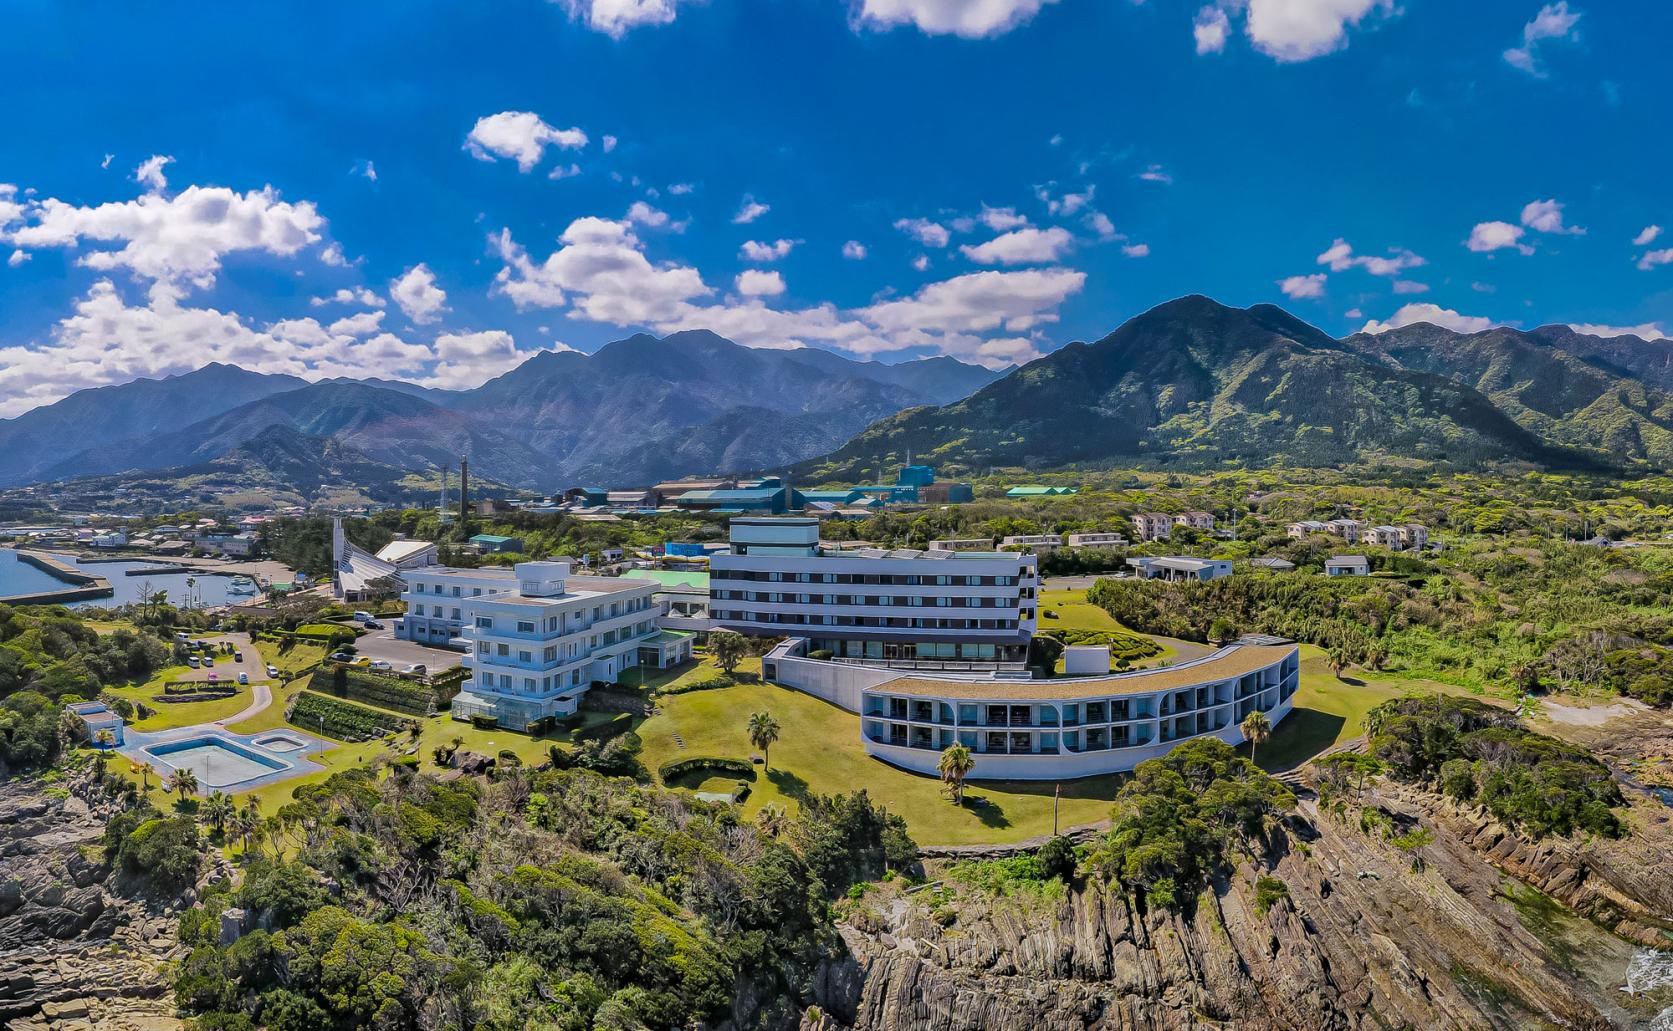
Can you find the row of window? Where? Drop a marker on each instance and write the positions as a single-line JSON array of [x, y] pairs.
[[890, 622], [875, 601], [577, 620], [457, 592], [507, 684], [565, 652], [895, 579]]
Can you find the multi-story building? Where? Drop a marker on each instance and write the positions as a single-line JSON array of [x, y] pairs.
[[1383, 537], [962, 544], [535, 649], [1038, 543], [1352, 531], [1414, 536], [1152, 526], [899, 606], [438, 598], [1195, 520], [1096, 540], [1301, 529]]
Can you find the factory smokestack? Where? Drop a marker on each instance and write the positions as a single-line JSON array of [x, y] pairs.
[[464, 489]]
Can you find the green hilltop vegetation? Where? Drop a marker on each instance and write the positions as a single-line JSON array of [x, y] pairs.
[[1195, 384]]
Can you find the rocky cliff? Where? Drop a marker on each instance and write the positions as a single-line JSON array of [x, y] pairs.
[[78, 948], [1475, 928]]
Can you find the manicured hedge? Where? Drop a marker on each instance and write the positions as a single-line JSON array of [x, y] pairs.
[[1121, 646], [706, 684], [343, 720], [706, 764], [385, 692]]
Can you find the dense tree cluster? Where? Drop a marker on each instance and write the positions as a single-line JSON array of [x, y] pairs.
[[1180, 819], [551, 898], [1477, 752]]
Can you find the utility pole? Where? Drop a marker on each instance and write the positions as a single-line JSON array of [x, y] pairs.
[[1056, 797]]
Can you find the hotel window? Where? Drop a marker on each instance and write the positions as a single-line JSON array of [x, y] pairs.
[[418, 588], [484, 623], [501, 650], [528, 685], [551, 653], [455, 613], [487, 680], [525, 626], [525, 657], [476, 592], [455, 591]]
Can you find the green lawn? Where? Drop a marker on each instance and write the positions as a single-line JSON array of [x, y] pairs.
[[179, 714], [1329, 710], [1071, 611]]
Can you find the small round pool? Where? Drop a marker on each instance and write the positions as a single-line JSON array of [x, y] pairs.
[[280, 743]]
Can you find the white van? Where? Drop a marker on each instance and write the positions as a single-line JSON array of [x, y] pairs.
[[192, 661], [362, 616]]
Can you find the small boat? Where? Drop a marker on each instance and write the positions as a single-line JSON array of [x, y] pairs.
[[242, 585]]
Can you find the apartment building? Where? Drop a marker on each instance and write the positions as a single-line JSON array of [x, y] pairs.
[[1414, 536], [898, 607], [1096, 540], [962, 544], [1384, 537], [1301, 529], [1152, 526], [1196, 520], [537, 647], [1352, 531], [1038, 543]]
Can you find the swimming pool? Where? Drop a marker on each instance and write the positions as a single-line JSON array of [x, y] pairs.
[[218, 762], [280, 743]]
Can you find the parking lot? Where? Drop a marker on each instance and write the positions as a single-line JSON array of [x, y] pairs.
[[383, 644], [227, 669]]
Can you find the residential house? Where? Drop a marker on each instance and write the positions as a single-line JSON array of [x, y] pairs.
[[494, 544], [1414, 536], [1383, 537], [1038, 543], [1196, 520], [1347, 565], [1153, 526], [1097, 540], [1180, 567], [962, 544]]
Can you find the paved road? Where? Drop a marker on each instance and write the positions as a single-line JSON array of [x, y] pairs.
[[263, 697]]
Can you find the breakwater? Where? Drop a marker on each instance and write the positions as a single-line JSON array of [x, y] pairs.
[[79, 585]]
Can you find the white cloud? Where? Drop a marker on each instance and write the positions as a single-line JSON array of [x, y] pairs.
[[1022, 246], [1340, 257], [179, 238], [1650, 259], [1554, 21], [1100, 223], [750, 210], [1410, 286], [1487, 237], [616, 18], [646, 215], [350, 295], [1648, 330], [1136, 250], [1434, 314], [921, 263], [854, 250], [150, 173], [1303, 287], [568, 171], [755, 250], [756, 282], [1646, 236], [415, 292], [367, 170], [1546, 216], [1002, 220], [609, 143], [18, 257], [972, 19], [1066, 204], [927, 233], [681, 189], [359, 324], [1354, 313], [1210, 30], [601, 262], [1156, 174], [107, 160], [1286, 30], [521, 136], [465, 360], [332, 254]]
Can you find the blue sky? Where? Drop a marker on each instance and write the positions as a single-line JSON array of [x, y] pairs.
[[433, 192]]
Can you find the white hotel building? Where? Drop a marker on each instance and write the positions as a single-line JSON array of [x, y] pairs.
[[901, 607], [537, 638]]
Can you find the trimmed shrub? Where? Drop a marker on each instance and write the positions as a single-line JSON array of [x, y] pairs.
[[742, 768], [343, 720], [385, 692]]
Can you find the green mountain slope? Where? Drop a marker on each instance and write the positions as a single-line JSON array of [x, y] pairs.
[[1196, 383]]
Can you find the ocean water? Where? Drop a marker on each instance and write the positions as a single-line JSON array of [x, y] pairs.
[[205, 590], [1651, 973]]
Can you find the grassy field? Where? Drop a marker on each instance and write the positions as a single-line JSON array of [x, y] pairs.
[[1071, 611], [179, 714]]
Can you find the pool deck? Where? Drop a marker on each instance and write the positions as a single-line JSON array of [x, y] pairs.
[[296, 761]]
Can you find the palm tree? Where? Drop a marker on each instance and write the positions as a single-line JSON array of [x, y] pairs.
[[772, 819], [1256, 729], [104, 739], [955, 765], [247, 823], [218, 808], [185, 781], [146, 771], [763, 731]]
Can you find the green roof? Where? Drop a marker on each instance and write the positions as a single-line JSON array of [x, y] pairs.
[[670, 577], [491, 538], [664, 636]]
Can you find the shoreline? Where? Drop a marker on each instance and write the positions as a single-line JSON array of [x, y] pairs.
[[82, 586]]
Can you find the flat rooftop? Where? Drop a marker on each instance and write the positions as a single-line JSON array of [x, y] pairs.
[[576, 588], [1226, 664]]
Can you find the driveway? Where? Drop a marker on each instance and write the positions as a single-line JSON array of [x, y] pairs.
[[383, 644]]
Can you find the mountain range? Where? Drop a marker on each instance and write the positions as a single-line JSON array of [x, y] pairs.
[[1194, 383], [1191, 384], [638, 410]]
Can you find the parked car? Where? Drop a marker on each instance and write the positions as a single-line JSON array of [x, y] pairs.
[[363, 661], [181, 635], [238, 656], [214, 678], [272, 670], [381, 666], [243, 678], [417, 669], [209, 660], [192, 661], [362, 616], [372, 624], [341, 657]]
